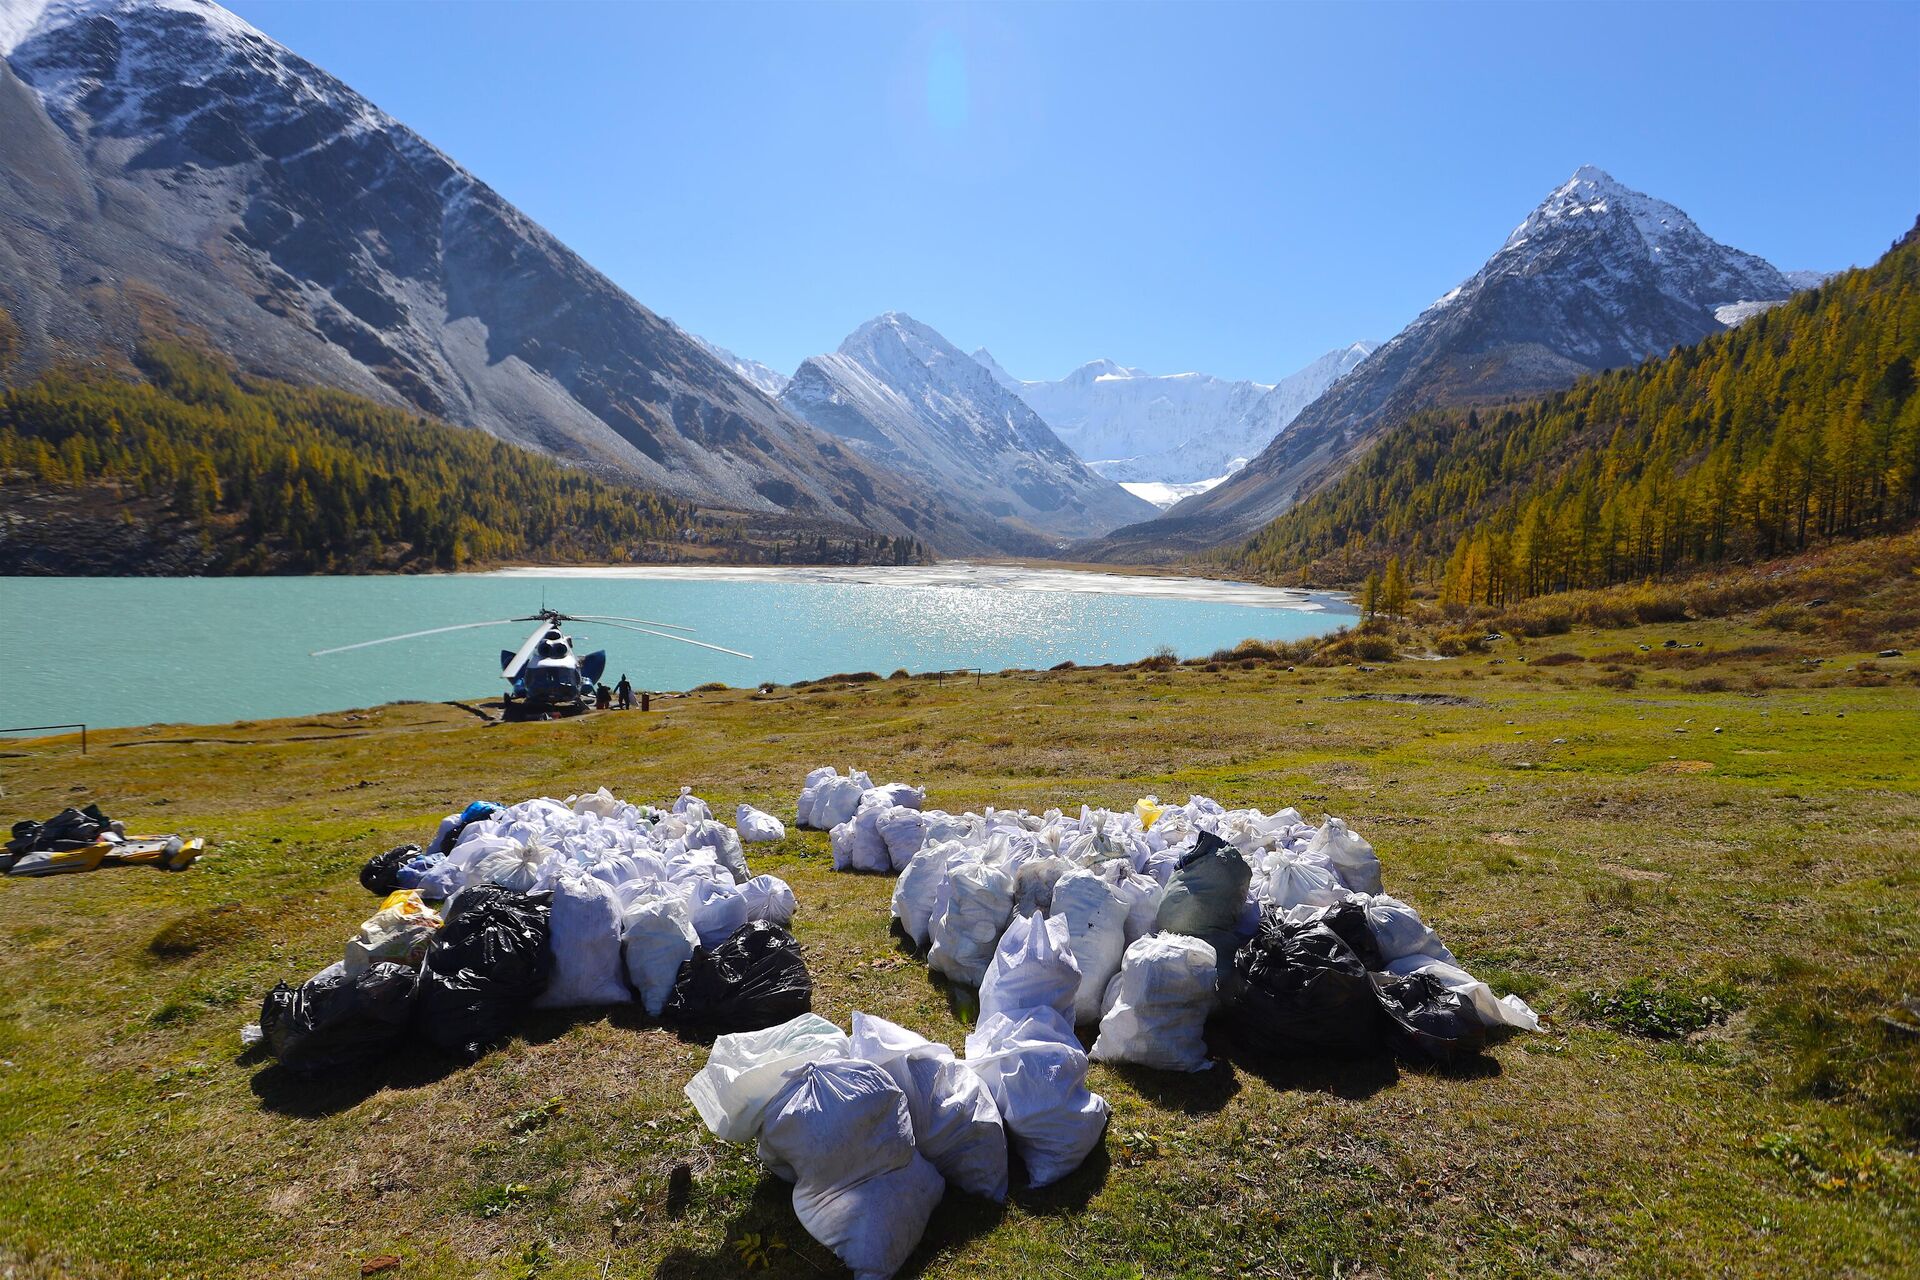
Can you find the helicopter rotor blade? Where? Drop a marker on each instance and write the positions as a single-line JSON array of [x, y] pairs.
[[590, 617], [411, 635], [665, 635], [525, 651]]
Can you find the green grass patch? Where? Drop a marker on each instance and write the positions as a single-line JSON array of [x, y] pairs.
[[1714, 926], [1656, 1010], [205, 929]]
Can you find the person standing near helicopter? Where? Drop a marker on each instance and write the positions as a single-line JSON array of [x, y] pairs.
[[624, 691]]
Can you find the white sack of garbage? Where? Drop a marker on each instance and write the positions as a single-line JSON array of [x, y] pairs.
[[915, 892], [717, 910], [1162, 996], [757, 826], [857, 844], [841, 1133], [745, 1070], [1036, 1071], [1033, 967], [828, 798], [587, 968], [979, 902], [1096, 918], [769, 898], [955, 1124], [656, 937]]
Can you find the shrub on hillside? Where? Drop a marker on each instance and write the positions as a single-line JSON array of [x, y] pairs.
[[1453, 644], [1783, 616]]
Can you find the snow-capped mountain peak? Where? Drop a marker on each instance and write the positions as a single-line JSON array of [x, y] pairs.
[[1593, 193], [164, 156], [992, 366], [1592, 208], [902, 395], [1095, 370], [769, 380], [142, 65], [1175, 428], [896, 336], [1597, 276]]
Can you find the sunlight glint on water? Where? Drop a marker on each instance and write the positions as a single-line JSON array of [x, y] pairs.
[[122, 651]]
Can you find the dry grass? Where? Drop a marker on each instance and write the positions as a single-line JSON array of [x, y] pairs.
[[1714, 948]]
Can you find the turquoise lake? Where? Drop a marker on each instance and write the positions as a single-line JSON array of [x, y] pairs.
[[133, 651]]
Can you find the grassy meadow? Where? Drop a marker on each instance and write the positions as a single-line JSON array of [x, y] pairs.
[[1699, 864]]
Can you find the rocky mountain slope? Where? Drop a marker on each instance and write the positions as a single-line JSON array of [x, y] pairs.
[[1723, 451], [168, 166], [1598, 276], [903, 396]]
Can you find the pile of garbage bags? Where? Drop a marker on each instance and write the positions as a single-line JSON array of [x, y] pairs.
[[1167, 914], [873, 828], [85, 840], [547, 904], [872, 1128]]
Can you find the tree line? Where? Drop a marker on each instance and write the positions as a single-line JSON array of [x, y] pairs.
[[1800, 425], [302, 479]]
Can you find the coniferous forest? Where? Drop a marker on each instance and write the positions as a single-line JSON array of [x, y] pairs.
[[1800, 426], [269, 477]]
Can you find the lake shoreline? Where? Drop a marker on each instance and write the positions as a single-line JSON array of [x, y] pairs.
[[1011, 574], [218, 650]]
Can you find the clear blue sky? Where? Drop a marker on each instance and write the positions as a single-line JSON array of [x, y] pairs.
[[1229, 188]]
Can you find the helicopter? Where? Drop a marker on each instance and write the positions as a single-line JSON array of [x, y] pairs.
[[545, 676]]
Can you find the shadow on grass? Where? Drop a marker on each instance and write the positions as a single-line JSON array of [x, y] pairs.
[[1067, 1196], [957, 1220], [313, 1095], [1353, 1077], [1194, 1093], [413, 1064], [1357, 1076], [963, 1002], [1477, 1066], [544, 1026]]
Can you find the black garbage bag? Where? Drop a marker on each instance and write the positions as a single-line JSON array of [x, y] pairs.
[[1426, 1020], [67, 829], [26, 833], [336, 1021], [377, 876], [755, 978], [1348, 920], [1207, 890], [1300, 989], [483, 968]]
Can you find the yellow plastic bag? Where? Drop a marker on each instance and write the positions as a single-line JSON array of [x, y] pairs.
[[1148, 810], [399, 931], [407, 902]]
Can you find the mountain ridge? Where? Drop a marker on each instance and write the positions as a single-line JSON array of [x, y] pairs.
[[1596, 276], [1728, 449], [171, 167], [1177, 428], [901, 394]]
